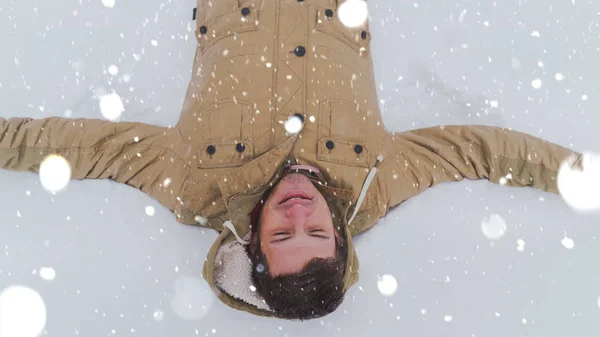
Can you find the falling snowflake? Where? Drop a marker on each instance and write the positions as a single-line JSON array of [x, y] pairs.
[[22, 312], [536, 83], [493, 227], [111, 106], [113, 70], [201, 220], [448, 318], [55, 173], [387, 285], [150, 210], [568, 242], [192, 299], [559, 77], [504, 180], [580, 188], [521, 245], [109, 3], [47, 273], [353, 13], [462, 15], [158, 315], [293, 124]]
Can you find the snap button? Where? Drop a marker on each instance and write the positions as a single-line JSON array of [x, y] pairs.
[[240, 147], [329, 13], [358, 148], [300, 51], [330, 144], [245, 11], [211, 149], [363, 34], [203, 30]]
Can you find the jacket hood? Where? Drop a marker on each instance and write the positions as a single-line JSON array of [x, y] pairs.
[[228, 268]]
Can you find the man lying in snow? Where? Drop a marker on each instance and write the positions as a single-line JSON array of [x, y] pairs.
[[287, 204]]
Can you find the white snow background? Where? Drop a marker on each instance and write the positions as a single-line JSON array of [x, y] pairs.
[[462, 259]]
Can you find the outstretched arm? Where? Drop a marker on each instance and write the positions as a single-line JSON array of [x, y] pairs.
[[425, 157], [136, 154]]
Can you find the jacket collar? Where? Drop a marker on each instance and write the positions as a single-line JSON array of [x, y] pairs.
[[257, 174]]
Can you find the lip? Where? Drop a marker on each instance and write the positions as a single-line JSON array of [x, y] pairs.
[[291, 203], [291, 194]]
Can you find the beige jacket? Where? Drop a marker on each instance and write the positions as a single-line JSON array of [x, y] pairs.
[[253, 69]]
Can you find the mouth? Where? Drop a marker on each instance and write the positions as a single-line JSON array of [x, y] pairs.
[[294, 195]]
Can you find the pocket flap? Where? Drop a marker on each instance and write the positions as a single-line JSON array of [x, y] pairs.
[[223, 26], [353, 37], [341, 124], [225, 125]]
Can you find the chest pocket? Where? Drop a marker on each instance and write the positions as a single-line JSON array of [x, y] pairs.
[[348, 134], [223, 19], [357, 38], [227, 134]]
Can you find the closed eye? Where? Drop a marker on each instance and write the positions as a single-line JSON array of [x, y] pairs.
[[280, 236], [319, 236]]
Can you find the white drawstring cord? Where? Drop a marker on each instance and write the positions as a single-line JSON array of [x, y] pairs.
[[365, 188], [229, 225]]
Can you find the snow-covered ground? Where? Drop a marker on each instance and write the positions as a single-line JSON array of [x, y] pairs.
[[122, 268]]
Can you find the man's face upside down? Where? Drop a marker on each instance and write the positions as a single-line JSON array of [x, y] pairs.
[[295, 226]]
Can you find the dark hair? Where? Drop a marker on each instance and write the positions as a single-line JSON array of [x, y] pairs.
[[317, 290]]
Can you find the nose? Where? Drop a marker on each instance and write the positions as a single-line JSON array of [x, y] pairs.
[[298, 214]]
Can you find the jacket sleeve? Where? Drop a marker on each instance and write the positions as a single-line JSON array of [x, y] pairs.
[[127, 152], [425, 157]]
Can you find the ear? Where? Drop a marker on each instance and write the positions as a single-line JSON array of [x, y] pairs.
[[254, 243]]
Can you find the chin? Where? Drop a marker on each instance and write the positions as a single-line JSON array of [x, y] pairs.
[[295, 179]]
